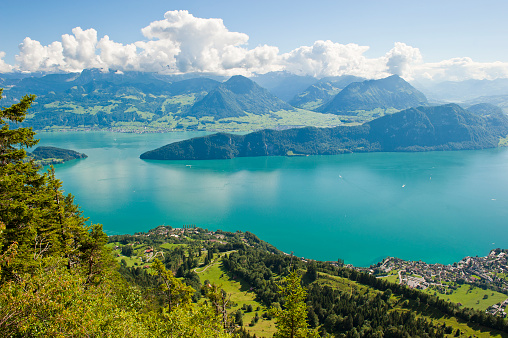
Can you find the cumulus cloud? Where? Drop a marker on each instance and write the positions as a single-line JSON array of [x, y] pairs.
[[35, 57], [117, 55], [201, 42], [181, 43], [326, 58], [4, 67], [459, 69], [401, 60], [79, 49]]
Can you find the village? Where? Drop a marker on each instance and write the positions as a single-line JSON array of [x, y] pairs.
[[489, 272]]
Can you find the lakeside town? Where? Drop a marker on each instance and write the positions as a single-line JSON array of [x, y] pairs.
[[488, 273]]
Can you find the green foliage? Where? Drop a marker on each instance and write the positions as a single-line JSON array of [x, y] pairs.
[[291, 322], [177, 293], [54, 301]]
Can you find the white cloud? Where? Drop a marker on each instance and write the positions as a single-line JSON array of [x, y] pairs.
[[79, 50], [182, 43], [401, 60], [4, 67], [459, 69], [35, 57], [117, 56], [326, 58], [201, 43]]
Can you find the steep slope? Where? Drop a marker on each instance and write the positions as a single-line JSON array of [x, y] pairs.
[[235, 98], [447, 127], [390, 92], [322, 92]]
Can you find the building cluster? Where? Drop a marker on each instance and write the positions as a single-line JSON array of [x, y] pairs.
[[489, 272]]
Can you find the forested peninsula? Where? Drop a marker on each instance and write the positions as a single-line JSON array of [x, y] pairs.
[[46, 155], [425, 128]]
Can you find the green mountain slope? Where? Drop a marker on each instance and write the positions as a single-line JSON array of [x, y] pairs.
[[235, 98], [390, 92], [447, 127]]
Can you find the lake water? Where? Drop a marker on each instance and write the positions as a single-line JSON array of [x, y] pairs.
[[435, 206]]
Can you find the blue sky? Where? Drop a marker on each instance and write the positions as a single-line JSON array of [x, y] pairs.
[[440, 30]]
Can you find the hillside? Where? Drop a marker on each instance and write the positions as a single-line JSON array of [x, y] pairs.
[[235, 98], [322, 92], [390, 92], [447, 127]]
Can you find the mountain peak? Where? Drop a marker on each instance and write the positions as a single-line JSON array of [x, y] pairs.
[[236, 97], [239, 84], [389, 92]]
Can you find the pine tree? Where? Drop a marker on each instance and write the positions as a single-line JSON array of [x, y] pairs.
[[39, 219], [291, 321]]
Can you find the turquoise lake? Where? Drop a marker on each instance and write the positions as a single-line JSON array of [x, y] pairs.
[[436, 206]]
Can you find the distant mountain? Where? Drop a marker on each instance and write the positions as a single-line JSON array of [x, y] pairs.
[[485, 109], [284, 85], [461, 91], [236, 97], [323, 91], [390, 92], [496, 100], [447, 127]]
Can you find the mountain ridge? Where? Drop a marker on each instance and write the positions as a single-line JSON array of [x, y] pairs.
[[447, 127]]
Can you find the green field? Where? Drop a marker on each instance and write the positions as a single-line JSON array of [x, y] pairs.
[[240, 295], [471, 297]]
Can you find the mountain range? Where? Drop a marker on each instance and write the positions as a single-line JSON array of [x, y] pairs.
[[447, 127], [147, 101]]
